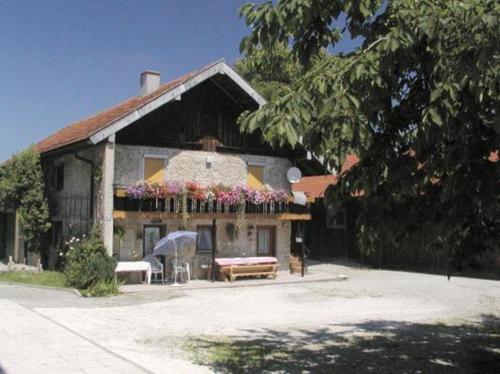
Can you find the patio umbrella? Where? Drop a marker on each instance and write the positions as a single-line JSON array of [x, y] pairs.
[[174, 242]]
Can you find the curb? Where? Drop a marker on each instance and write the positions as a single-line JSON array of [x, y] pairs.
[[41, 286]]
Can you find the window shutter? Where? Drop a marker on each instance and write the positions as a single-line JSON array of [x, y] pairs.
[[255, 176], [154, 170]]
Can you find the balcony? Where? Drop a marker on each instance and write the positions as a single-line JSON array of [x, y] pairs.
[[173, 207]]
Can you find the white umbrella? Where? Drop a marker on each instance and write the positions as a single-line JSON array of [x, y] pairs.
[[174, 242]]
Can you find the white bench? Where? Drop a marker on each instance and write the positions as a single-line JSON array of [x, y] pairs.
[[134, 267]]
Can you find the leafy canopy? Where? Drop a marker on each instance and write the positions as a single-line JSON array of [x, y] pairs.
[[418, 103], [22, 187], [273, 71]]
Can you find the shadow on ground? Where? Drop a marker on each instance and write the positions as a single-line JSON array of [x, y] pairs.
[[373, 347]]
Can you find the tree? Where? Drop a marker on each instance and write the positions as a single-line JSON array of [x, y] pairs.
[[418, 103], [273, 71], [22, 187]]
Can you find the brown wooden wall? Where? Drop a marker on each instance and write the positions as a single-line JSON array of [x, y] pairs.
[[413, 254]]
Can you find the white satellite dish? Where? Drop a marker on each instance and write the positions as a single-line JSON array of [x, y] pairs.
[[293, 175]]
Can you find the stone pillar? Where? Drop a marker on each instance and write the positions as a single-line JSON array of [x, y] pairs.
[[108, 167]]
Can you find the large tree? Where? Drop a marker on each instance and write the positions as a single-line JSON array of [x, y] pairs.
[[418, 103], [22, 187], [273, 71]]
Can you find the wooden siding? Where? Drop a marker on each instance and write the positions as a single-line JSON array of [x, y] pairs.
[[205, 111]]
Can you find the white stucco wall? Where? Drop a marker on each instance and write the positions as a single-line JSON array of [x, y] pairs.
[[187, 165]]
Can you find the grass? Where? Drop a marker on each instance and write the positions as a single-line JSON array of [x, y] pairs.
[[102, 289], [44, 278]]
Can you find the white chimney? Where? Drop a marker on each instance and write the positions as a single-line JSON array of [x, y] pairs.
[[150, 81]]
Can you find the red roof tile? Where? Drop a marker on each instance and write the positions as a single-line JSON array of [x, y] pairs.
[[83, 129], [316, 186]]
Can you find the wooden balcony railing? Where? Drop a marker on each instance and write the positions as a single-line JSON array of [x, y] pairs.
[[174, 205]]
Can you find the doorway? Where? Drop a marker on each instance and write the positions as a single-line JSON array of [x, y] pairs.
[[266, 240], [152, 234]]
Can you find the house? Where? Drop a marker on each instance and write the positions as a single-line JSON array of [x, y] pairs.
[[120, 168], [330, 233]]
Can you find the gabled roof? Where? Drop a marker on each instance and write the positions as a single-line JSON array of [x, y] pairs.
[[106, 123]]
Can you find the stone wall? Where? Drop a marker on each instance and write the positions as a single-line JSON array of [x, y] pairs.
[[187, 165], [131, 245]]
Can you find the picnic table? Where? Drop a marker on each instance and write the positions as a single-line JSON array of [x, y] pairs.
[[232, 268]]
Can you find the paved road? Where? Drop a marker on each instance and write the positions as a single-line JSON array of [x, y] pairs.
[[33, 343], [413, 317]]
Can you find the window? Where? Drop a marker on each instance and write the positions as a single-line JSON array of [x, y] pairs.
[[266, 240], [336, 218], [58, 177], [204, 242], [255, 176], [154, 169]]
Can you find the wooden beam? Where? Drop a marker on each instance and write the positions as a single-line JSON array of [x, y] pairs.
[[295, 217], [120, 214]]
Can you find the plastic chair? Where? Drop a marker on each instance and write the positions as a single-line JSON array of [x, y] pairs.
[[156, 266]]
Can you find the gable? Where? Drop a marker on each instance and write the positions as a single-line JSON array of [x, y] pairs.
[[108, 122], [208, 111]]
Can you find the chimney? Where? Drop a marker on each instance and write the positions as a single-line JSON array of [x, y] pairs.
[[150, 81]]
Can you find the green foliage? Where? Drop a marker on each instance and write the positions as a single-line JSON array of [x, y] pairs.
[[418, 103], [87, 262], [44, 278], [22, 187], [272, 71], [101, 289]]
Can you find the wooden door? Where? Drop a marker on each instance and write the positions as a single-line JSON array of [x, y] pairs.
[[266, 240]]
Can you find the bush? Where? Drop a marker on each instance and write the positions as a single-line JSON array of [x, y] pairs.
[[87, 263], [102, 288]]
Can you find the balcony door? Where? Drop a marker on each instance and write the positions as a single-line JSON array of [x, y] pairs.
[[266, 240], [152, 234]]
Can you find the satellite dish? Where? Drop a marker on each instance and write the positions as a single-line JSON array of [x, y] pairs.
[[293, 175]]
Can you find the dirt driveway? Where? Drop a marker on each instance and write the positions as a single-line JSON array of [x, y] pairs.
[[376, 321]]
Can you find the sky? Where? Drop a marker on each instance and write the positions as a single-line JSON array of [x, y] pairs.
[[64, 60]]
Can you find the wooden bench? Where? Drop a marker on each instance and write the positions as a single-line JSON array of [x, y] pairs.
[[231, 272]]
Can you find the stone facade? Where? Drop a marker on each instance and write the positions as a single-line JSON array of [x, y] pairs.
[[130, 247], [186, 165]]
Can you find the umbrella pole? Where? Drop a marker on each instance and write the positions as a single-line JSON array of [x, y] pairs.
[[175, 262]]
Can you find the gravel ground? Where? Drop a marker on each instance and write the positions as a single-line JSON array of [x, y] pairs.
[[376, 321]]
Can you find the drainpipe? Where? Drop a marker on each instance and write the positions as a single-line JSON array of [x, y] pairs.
[[92, 183]]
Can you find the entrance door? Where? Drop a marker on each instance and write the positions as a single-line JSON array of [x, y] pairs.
[[152, 234], [266, 240]]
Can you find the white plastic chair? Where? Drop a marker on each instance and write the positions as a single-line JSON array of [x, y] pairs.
[[156, 266], [182, 268]]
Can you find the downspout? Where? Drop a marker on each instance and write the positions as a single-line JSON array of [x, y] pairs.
[[92, 183]]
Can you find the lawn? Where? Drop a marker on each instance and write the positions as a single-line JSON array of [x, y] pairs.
[[45, 278]]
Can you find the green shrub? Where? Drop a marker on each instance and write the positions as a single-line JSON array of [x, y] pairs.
[[87, 262], [102, 288]]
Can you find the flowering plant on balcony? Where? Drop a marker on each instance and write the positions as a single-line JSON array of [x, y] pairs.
[[141, 190], [236, 195]]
